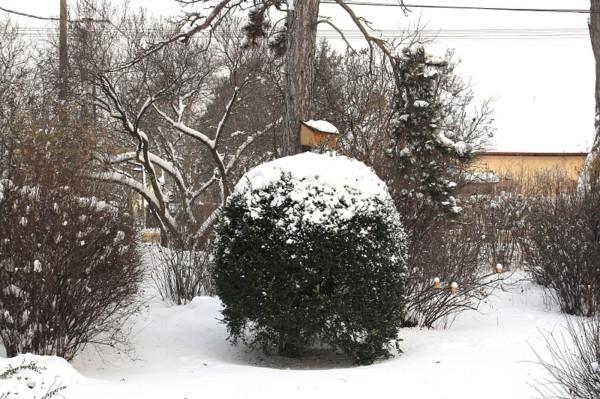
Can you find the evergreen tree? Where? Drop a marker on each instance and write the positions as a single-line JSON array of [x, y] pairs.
[[416, 124], [424, 144]]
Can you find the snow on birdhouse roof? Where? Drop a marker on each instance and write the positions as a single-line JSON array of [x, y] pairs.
[[322, 126]]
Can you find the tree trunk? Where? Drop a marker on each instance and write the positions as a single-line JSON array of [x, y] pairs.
[[300, 71], [587, 173]]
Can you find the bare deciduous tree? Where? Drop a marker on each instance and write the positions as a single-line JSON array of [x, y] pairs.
[[156, 103], [203, 17]]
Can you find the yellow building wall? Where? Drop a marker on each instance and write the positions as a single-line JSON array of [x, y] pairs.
[[529, 165]]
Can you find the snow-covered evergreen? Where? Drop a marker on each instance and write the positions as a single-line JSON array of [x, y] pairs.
[[312, 245], [423, 137]]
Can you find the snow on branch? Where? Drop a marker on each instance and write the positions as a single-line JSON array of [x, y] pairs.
[[249, 140], [167, 166], [175, 199], [168, 222], [183, 128]]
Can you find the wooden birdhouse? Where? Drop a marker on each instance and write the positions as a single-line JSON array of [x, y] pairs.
[[318, 134]]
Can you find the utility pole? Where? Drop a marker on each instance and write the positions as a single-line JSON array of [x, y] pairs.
[[62, 51]]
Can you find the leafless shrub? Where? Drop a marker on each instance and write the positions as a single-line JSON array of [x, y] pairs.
[[69, 264], [15, 372], [501, 218], [448, 253], [546, 182], [504, 213], [573, 362], [543, 223], [181, 275], [561, 249]]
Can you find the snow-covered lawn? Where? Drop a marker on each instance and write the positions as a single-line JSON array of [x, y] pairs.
[[181, 352]]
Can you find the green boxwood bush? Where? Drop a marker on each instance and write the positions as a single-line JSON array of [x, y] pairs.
[[311, 255]]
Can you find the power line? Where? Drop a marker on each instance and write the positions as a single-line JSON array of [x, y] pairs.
[[455, 34], [472, 34], [383, 4], [41, 29], [476, 8]]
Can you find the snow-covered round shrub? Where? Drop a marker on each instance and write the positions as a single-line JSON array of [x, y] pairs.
[[308, 249]]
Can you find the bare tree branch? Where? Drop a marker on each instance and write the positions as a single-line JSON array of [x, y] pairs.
[[33, 16], [361, 24], [221, 9], [339, 31]]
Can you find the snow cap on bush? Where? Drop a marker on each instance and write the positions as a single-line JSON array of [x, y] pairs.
[[312, 245], [327, 179], [329, 169]]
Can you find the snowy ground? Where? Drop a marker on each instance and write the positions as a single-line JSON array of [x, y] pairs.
[[181, 352]]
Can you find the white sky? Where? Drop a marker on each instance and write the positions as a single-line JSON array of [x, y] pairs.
[[543, 88]]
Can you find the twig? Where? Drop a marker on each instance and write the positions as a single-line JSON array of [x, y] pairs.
[[27, 15]]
